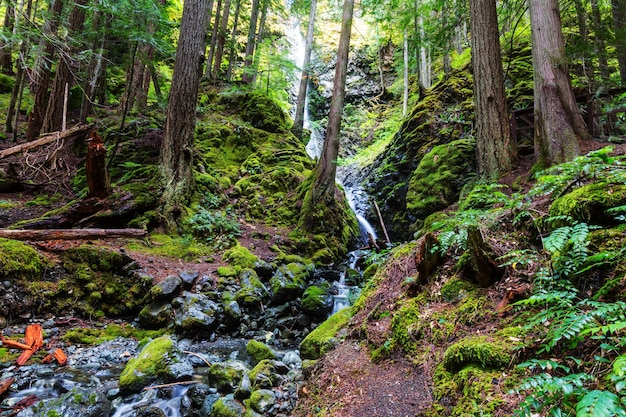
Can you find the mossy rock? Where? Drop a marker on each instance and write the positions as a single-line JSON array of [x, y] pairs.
[[226, 376], [317, 299], [267, 374], [438, 179], [240, 257], [252, 292], [19, 260], [262, 400], [325, 337], [153, 364], [589, 203], [257, 109], [456, 288], [477, 350], [289, 281], [259, 351], [227, 407]]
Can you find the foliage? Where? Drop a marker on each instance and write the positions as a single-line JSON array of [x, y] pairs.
[[217, 228]]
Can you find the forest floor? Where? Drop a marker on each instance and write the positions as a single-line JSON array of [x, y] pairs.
[[348, 382]]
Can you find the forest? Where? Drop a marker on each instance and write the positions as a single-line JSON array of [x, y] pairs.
[[312, 208]]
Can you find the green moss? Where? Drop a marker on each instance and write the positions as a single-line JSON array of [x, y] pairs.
[[259, 351], [240, 257], [314, 298], [456, 288], [476, 350], [226, 271], [18, 259], [323, 338], [151, 363], [184, 247], [97, 335], [437, 181], [589, 203], [483, 197]]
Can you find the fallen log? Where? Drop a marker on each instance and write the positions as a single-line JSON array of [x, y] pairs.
[[5, 384], [76, 130], [70, 234]]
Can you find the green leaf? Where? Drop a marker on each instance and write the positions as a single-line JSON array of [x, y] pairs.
[[598, 403]]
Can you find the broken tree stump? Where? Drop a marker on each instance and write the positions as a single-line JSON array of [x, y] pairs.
[[97, 175], [481, 264]]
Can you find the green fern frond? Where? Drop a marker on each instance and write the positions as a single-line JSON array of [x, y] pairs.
[[599, 403]]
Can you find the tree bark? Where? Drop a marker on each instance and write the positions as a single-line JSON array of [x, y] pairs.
[[600, 33], [69, 234], [6, 59], [247, 76], [298, 123], [178, 140], [495, 149], [221, 41], [233, 43], [558, 122], [216, 28], [96, 168], [41, 74], [75, 131], [64, 77], [618, 8]]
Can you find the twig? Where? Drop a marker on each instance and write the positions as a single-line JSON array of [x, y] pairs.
[[199, 356], [382, 223], [173, 384]]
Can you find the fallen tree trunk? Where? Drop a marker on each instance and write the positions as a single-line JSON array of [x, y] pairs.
[[76, 130], [69, 234]]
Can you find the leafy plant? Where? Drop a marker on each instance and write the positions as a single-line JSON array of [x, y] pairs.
[[215, 227]]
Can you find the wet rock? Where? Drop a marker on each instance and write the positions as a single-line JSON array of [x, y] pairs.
[[289, 282], [267, 373], [226, 376], [188, 277], [262, 400], [227, 407], [76, 403], [198, 401], [197, 314], [156, 315], [150, 411], [318, 300], [167, 289], [252, 292]]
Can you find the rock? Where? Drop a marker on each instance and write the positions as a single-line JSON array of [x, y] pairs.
[[197, 315], [262, 400], [292, 359], [75, 403], [318, 300], [259, 351], [166, 289], [323, 338], [227, 407], [158, 362], [156, 315], [188, 278], [267, 373], [198, 401], [252, 292], [476, 350], [289, 282], [226, 376]]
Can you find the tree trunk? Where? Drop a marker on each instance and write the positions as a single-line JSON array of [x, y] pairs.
[[247, 76], [178, 139], [495, 150], [41, 74], [93, 69], [69, 234], [405, 71], [598, 28], [259, 38], [96, 167], [221, 41], [233, 43], [6, 59], [64, 78], [298, 123], [558, 122], [583, 30], [214, 35], [618, 8]]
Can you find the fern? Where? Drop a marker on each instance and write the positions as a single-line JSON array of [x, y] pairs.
[[598, 403]]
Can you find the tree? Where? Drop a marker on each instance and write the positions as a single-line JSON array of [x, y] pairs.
[[298, 122], [558, 122], [6, 60], [41, 74], [178, 139], [323, 204], [221, 41], [495, 150], [251, 44], [618, 8]]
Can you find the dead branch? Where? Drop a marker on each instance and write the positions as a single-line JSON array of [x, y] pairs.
[[70, 234], [76, 130]]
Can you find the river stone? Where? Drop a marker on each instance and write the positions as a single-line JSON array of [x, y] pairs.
[[168, 288], [252, 292], [318, 300], [225, 376], [245, 388], [262, 400], [289, 282], [75, 403], [267, 373], [227, 407], [292, 359], [150, 411], [197, 314], [188, 277], [158, 362], [198, 401], [156, 315]]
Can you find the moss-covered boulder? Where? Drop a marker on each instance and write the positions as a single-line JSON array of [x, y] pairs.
[[262, 400], [19, 260], [289, 281], [226, 376], [196, 314], [437, 181], [590, 203], [252, 292], [227, 407], [325, 337], [477, 350], [318, 299], [156, 315], [240, 257], [267, 374], [158, 362], [257, 109], [259, 351]]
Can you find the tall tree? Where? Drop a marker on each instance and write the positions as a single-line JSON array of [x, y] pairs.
[[495, 150], [214, 36], [248, 75], [178, 139], [221, 41], [298, 122], [64, 78], [322, 196], [40, 78], [558, 123], [6, 59], [618, 8], [233, 42]]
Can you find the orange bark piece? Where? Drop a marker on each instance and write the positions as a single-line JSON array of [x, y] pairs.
[[24, 357], [34, 336], [5, 384], [13, 344], [57, 355]]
